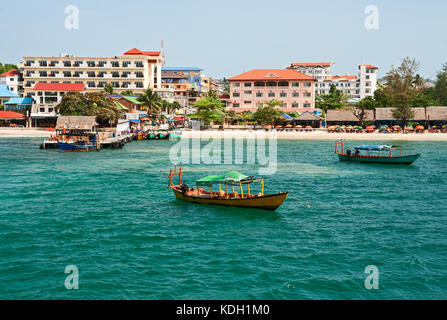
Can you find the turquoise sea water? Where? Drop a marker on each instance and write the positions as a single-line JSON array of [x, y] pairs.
[[110, 214]]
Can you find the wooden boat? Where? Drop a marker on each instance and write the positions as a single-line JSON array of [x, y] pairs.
[[374, 154], [79, 145], [150, 136], [225, 197]]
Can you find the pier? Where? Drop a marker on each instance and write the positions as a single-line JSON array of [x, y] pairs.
[[113, 142]]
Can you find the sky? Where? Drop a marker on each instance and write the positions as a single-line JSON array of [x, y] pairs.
[[228, 37]]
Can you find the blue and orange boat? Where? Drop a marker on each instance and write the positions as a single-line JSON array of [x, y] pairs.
[[83, 142]]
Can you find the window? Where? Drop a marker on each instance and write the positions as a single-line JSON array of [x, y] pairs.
[[67, 63], [367, 77], [295, 105], [283, 94], [259, 94], [115, 64], [91, 64], [101, 63], [236, 105], [139, 64], [115, 84], [139, 74], [91, 84], [295, 94], [236, 94], [50, 109], [271, 94], [236, 84], [67, 74], [247, 102], [53, 63], [247, 84], [295, 84], [43, 73], [139, 84], [102, 84], [101, 74], [42, 109], [91, 74], [77, 63], [115, 74], [43, 63], [126, 64], [307, 94], [306, 105], [307, 84], [247, 92]]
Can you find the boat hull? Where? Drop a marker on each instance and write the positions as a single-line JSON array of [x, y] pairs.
[[266, 202], [64, 147], [407, 159]]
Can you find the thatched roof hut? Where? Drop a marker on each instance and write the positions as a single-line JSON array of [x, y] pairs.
[[386, 114], [76, 122], [308, 116], [436, 113], [347, 115]]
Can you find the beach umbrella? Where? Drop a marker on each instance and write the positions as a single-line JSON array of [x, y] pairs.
[[370, 127], [268, 126], [396, 127], [144, 119], [308, 127], [384, 127], [289, 126], [299, 126], [50, 129], [434, 127], [278, 126], [350, 127], [419, 127]]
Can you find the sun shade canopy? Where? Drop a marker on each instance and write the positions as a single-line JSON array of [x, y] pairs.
[[373, 147], [229, 177]]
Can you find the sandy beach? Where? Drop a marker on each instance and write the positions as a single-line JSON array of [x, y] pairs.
[[24, 132], [312, 135]]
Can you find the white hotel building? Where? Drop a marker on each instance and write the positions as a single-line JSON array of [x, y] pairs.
[[134, 70], [356, 86]]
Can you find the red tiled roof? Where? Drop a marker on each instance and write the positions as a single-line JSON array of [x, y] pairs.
[[59, 87], [271, 74], [10, 73], [136, 52], [11, 115], [368, 66], [311, 64], [347, 76]]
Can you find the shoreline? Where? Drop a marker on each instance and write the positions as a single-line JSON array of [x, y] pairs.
[[312, 135]]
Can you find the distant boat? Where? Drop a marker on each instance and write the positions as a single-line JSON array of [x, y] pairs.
[[374, 154], [226, 196]]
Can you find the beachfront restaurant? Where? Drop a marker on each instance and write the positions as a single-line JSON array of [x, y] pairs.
[[436, 116], [12, 119], [346, 117], [384, 116], [308, 119]]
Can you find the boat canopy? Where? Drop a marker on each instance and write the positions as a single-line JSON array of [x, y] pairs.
[[371, 147], [229, 177]]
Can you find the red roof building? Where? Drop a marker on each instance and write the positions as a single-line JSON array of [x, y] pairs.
[[251, 89], [11, 73], [11, 115]]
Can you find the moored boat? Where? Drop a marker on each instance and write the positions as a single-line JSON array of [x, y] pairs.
[[374, 154], [226, 196]]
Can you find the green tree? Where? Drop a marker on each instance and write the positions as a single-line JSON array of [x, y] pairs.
[[151, 102], [230, 116], [335, 99], [108, 88], [268, 114], [401, 90], [365, 104], [7, 67], [381, 98], [126, 92], [209, 109], [89, 104], [441, 86]]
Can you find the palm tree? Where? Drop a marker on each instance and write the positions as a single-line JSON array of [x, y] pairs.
[[151, 101]]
